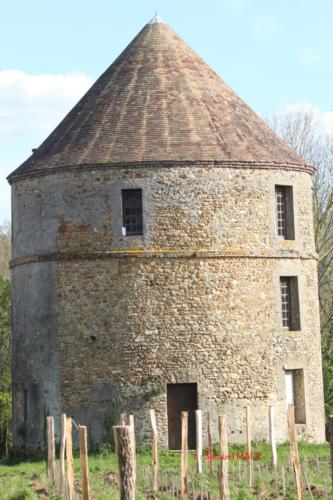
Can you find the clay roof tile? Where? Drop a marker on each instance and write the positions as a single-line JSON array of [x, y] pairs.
[[159, 101]]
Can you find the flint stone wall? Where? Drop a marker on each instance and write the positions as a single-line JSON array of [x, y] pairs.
[[195, 299]]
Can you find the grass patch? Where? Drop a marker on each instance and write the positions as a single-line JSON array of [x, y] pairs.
[[27, 480]]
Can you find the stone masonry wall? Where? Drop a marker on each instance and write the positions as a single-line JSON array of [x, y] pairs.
[[210, 321], [226, 210], [195, 299]]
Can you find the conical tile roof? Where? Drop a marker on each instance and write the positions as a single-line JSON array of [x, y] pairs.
[[160, 102]]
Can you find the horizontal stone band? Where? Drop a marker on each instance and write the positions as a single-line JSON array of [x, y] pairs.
[[161, 164], [144, 253]]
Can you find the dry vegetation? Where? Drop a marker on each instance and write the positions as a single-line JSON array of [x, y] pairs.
[[5, 248]]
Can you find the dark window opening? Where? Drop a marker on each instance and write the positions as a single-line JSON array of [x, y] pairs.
[[295, 393], [132, 211], [285, 212], [290, 311], [285, 302], [181, 397]]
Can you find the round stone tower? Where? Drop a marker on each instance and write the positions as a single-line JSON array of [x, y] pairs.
[[163, 256]]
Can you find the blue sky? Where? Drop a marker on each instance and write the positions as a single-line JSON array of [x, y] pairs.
[[274, 54]]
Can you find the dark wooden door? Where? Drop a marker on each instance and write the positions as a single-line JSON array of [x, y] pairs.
[[181, 397]]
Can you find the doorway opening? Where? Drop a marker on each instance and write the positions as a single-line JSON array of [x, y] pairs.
[[295, 394], [181, 397]]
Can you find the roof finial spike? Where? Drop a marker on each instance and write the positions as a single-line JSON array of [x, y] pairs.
[[156, 19]]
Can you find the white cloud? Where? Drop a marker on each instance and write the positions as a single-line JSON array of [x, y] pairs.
[[35, 103], [266, 27], [310, 57], [234, 5], [30, 108], [4, 200]]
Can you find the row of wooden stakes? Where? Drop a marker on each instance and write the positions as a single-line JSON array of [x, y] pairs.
[[64, 478], [125, 447]]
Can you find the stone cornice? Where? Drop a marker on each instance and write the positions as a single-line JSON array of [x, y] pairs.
[[144, 253], [254, 165]]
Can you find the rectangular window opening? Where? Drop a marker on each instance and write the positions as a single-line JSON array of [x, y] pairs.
[[132, 211], [295, 393], [285, 212], [290, 312]]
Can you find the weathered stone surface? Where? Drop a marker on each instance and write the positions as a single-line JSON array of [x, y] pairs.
[[209, 209], [195, 299], [102, 322]]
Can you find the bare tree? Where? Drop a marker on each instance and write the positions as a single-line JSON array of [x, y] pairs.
[[5, 357], [5, 248]]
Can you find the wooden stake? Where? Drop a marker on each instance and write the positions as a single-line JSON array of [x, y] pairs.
[[223, 469], [248, 439], [220, 480], [123, 419], [133, 441], [294, 452], [283, 482], [123, 440], [307, 483], [198, 427], [62, 453], [330, 437], [154, 445], [272, 436], [84, 462], [184, 456], [326, 489], [259, 470], [69, 458], [209, 446], [317, 464], [50, 449]]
